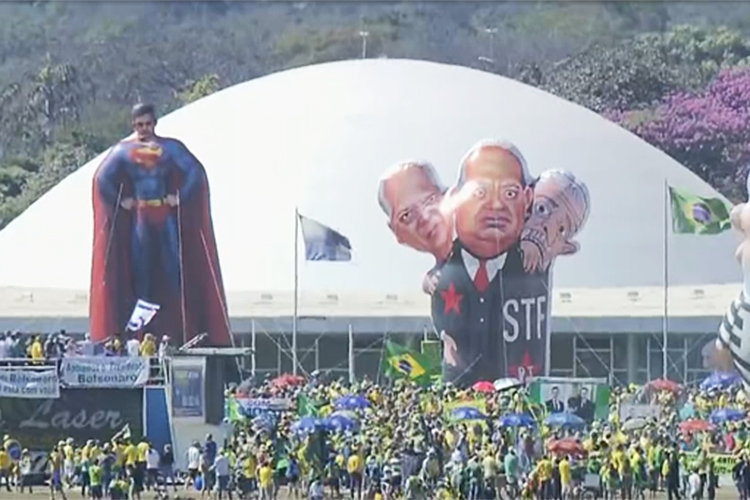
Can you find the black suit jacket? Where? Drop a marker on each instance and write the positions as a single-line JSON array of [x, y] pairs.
[[574, 403], [498, 330], [587, 410], [555, 408]]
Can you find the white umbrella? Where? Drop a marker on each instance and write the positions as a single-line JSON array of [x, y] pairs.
[[503, 384], [634, 424]]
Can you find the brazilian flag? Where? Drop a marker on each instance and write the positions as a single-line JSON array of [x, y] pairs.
[[402, 362], [697, 215]]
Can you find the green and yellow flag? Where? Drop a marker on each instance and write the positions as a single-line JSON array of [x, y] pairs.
[[402, 362], [697, 215], [306, 407]]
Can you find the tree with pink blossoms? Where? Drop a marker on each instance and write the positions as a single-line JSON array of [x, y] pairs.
[[707, 131]]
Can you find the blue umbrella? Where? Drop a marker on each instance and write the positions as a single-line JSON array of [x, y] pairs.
[[726, 415], [468, 413], [564, 420], [267, 420], [342, 423], [516, 420], [308, 425], [719, 380], [351, 402]]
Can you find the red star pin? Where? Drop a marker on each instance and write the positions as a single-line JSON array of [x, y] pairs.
[[526, 369], [452, 300]]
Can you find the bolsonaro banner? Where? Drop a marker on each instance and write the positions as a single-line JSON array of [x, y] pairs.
[[28, 383], [495, 235], [103, 372]]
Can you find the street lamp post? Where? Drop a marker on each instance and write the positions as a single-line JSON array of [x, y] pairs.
[[491, 32], [489, 61], [364, 35]]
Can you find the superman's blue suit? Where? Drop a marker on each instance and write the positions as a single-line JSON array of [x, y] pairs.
[[153, 240]]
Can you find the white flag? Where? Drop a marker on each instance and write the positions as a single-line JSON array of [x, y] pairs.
[[143, 313]]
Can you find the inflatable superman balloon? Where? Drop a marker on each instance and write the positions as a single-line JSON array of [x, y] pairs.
[[154, 241]]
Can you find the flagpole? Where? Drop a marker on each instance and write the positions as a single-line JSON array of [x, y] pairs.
[[253, 361], [296, 291], [351, 355], [665, 319]]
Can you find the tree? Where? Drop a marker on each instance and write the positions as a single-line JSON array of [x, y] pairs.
[[198, 89], [639, 72], [706, 131], [55, 163], [55, 96]]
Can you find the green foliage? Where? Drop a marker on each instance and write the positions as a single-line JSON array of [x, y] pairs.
[[638, 72], [69, 72], [198, 89]]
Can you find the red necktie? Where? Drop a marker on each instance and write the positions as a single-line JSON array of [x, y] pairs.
[[482, 279]]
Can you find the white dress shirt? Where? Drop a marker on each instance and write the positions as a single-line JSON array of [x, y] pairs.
[[471, 264]]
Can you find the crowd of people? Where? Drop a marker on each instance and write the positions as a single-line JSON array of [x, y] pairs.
[[370, 441], [19, 348]]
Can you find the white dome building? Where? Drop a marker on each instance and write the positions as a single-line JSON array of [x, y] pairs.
[[318, 138]]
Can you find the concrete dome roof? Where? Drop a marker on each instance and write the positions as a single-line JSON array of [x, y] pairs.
[[319, 138]]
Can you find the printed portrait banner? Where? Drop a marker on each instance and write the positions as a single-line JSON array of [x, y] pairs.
[[632, 410], [81, 414], [29, 384], [495, 235], [587, 398], [105, 371], [188, 387]]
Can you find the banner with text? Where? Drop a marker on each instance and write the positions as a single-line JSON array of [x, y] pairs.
[[29, 384], [81, 414], [105, 372], [253, 407]]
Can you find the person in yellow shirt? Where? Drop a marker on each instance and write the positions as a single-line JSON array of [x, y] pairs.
[[566, 477], [68, 459], [354, 468], [5, 464], [36, 350], [618, 458], [544, 473], [248, 483], [86, 450], [119, 449], [148, 346], [9, 444], [142, 451], [265, 481], [55, 462], [131, 465], [131, 454]]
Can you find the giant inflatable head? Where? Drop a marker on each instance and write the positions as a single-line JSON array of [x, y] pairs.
[[561, 206]]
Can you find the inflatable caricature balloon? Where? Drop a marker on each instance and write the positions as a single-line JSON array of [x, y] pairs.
[[561, 206], [733, 344], [494, 235]]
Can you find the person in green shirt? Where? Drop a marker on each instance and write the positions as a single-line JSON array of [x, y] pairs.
[[95, 480]]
